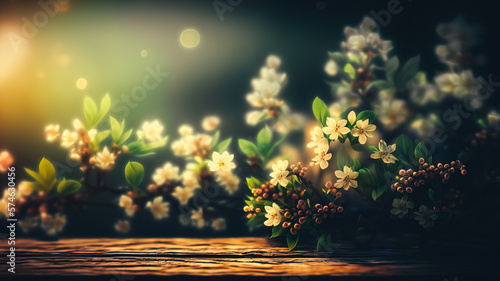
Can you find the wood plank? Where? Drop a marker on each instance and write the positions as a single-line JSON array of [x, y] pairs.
[[247, 256]]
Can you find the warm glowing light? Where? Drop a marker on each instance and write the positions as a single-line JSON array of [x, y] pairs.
[[81, 83], [190, 38], [144, 53], [63, 60]]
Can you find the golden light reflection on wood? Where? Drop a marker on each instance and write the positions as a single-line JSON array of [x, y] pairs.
[[219, 256]]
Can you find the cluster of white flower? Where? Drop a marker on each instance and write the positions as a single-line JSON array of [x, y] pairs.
[[361, 129], [222, 166], [191, 144], [424, 215], [198, 219], [6, 161], [365, 42], [264, 97], [82, 142]]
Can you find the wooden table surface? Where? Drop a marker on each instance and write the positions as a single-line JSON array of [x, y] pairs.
[[247, 256]]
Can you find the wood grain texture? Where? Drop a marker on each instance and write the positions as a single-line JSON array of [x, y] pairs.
[[231, 256]]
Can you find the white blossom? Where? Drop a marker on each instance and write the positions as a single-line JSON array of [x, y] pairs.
[[346, 178], [151, 131], [221, 162], [273, 215], [198, 218], [280, 173], [183, 194], [158, 207], [426, 216], [52, 224], [52, 132], [166, 173], [105, 159], [122, 226], [68, 138], [401, 207], [363, 130], [210, 123], [384, 152], [128, 204], [219, 224]]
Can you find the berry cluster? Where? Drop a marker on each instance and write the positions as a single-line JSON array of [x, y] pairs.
[[451, 199], [298, 215], [408, 180], [266, 191], [485, 138]]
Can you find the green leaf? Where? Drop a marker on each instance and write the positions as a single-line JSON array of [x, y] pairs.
[[215, 139], [248, 148], [222, 146], [380, 84], [257, 219], [366, 178], [47, 171], [430, 192], [343, 159], [292, 240], [264, 139], [338, 57], [124, 137], [420, 151], [377, 192], [482, 123], [408, 72], [367, 114], [322, 242], [391, 67], [134, 174], [116, 129], [277, 231], [90, 111], [35, 176], [320, 111], [253, 183], [66, 187], [362, 221], [350, 71], [404, 150], [373, 148], [105, 106], [356, 165]]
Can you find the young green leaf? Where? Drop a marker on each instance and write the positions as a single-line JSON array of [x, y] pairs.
[[420, 151], [66, 187], [134, 174], [430, 193], [349, 69], [409, 70], [215, 139], [47, 170], [292, 240], [264, 138], [124, 137], [116, 129], [277, 231], [248, 148], [391, 67], [90, 111], [257, 219], [366, 178], [367, 114], [320, 111], [223, 145], [377, 192]]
